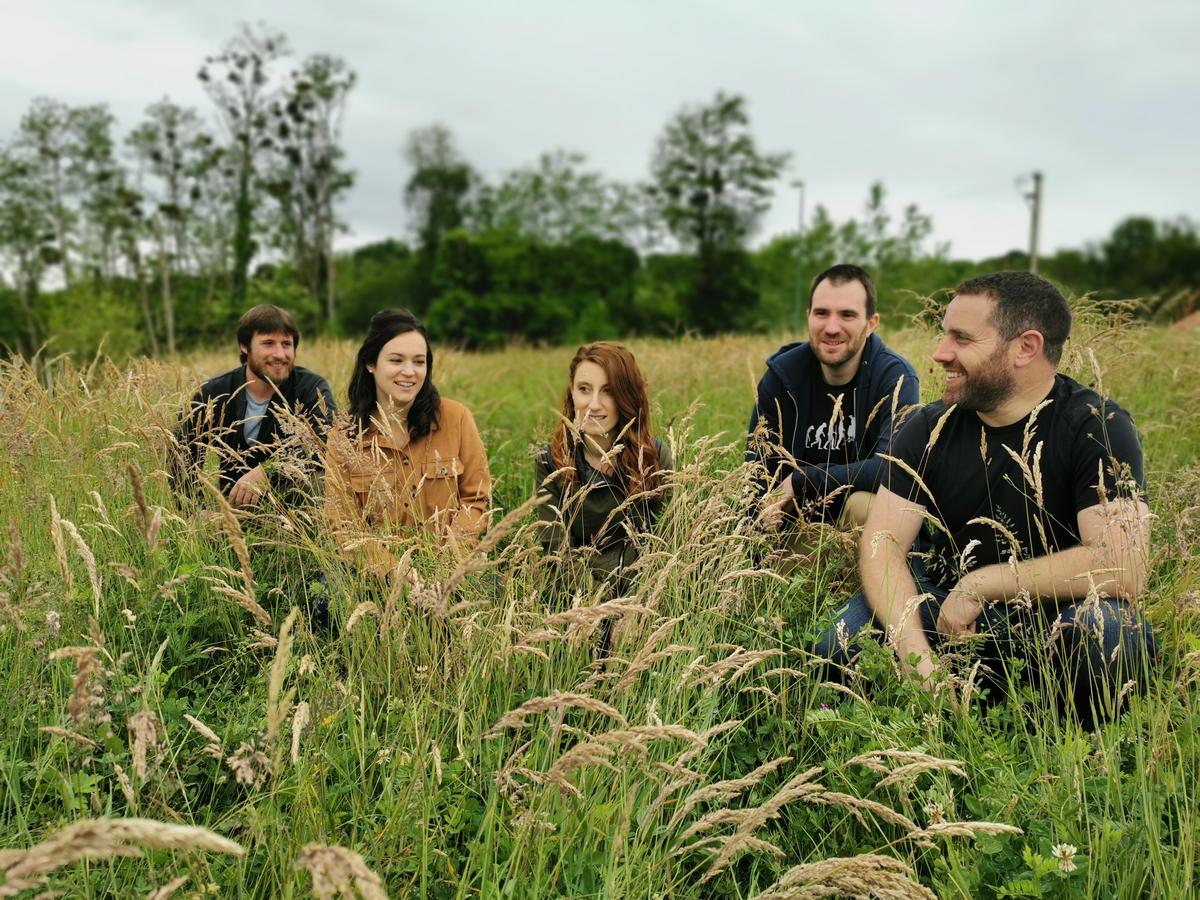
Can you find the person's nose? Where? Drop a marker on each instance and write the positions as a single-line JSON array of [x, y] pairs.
[[943, 354]]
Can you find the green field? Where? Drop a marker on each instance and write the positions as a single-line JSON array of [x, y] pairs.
[[704, 760]]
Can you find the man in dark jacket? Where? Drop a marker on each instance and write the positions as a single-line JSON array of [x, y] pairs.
[[265, 419], [829, 406]]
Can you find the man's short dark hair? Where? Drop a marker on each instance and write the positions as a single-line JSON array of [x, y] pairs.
[[265, 319], [844, 273], [1025, 302]]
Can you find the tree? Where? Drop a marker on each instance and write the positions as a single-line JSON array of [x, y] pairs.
[[557, 200], [27, 236], [306, 178], [177, 159], [712, 186], [66, 153], [239, 81], [436, 195]]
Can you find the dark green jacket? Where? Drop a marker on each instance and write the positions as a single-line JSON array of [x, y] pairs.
[[585, 514]]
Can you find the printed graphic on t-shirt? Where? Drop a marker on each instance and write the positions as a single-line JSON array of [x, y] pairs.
[[829, 436]]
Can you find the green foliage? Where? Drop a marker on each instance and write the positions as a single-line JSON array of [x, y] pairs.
[[377, 276], [711, 185], [85, 321]]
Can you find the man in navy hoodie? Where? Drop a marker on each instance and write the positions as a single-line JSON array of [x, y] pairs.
[[828, 407]]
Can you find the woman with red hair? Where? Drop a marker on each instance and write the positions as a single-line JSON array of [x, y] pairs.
[[603, 471]]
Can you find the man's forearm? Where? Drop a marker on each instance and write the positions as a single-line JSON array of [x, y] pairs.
[[890, 591], [1065, 575]]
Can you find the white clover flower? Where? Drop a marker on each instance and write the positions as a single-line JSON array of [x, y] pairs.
[[1065, 854]]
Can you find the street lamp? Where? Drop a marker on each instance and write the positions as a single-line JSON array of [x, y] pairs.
[[798, 305]]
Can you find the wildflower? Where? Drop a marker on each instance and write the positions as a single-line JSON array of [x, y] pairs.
[[53, 621], [130, 617], [1065, 854]]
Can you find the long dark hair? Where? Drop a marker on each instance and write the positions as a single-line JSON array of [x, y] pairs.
[[385, 325]]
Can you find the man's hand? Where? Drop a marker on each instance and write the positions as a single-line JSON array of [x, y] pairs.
[[248, 489], [959, 612], [773, 514]]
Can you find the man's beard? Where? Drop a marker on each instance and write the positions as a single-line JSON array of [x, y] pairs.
[[986, 389], [262, 374]]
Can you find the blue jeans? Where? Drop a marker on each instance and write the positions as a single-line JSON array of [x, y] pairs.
[[1084, 652]]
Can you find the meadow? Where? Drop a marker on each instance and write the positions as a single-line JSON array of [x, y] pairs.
[[170, 705]]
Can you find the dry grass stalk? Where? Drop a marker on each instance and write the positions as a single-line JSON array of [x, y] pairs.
[[643, 662], [750, 820], [168, 889], [866, 875], [732, 667], [558, 700], [277, 706], [126, 787], [214, 742], [102, 839], [924, 836], [843, 689], [234, 529], [89, 562], [88, 687], [14, 566], [799, 788], [338, 872], [249, 765], [911, 770], [299, 722], [242, 597], [727, 790], [705, 736], [144, 736], [363, 609], [70, 736], [142, 510], [911, 764], [579, 622], [60, 547]]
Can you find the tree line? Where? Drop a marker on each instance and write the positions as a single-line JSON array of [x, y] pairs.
[[158, 241]]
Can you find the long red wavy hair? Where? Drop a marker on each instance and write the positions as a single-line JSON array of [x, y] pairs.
[[637, 463]]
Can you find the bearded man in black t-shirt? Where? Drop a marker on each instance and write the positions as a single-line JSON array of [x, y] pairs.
[[1031, 487]]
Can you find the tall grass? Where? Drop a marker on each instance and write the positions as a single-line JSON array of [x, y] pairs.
[[456, 735]]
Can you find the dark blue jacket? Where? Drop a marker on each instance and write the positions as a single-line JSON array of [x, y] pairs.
[[784, 406]]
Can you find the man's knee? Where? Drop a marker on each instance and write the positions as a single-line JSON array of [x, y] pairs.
[[858, 506], [838, 643]]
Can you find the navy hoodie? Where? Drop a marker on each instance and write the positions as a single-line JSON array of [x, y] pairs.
[[784, 405]]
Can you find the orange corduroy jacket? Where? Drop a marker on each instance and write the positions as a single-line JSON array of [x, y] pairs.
[[376, 488]]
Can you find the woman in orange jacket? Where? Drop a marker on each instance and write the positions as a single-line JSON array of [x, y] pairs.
[[407, 458]]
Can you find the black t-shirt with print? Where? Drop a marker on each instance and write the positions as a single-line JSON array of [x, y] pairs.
[[831, 435], [1073, 451]]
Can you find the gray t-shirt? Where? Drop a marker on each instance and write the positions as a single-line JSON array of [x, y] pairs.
[[255, 412]]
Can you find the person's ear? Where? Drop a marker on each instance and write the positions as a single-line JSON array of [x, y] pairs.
[[1030, 345]]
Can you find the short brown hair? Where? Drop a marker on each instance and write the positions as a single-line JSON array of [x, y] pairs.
[[265, 319], [844, 273]]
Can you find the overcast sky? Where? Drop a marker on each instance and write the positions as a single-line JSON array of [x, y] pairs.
[[947, 103]]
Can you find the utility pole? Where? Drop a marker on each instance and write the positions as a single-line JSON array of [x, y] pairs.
[[1034, 198], [798, 305]]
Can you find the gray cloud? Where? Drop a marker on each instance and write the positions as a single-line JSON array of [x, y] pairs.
[[945, 102]]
